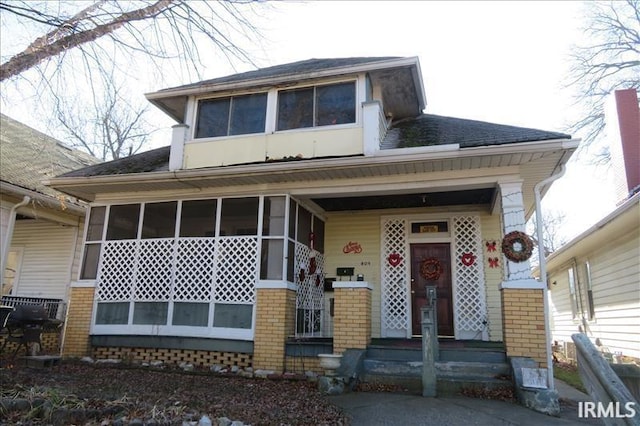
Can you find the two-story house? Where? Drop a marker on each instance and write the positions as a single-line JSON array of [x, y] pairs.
[[309, 200]]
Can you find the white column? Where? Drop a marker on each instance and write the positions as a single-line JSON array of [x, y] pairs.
[[178, 138], [517, 274]]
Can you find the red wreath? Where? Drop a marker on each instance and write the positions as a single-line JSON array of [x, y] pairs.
[[312, 265], [430, 269]]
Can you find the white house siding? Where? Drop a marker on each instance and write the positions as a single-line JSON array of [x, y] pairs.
[[364, 228], [615, 275], [48, 250]]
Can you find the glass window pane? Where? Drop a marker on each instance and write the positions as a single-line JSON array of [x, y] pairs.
[[318, 234], [90, 261], [239, 216], [198, 218], [272, 259], [123, 222], [96, 223], [153, 313], [295, 109], [112, 313], [213, 118], [232, 316], [159, 220], [248, 114], [193, 314], [273, 218], [304, 226], [335, 104]]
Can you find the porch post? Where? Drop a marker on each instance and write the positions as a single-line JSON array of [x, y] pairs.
[[521, 295], [275, 321], [352, 315], [77, 325]]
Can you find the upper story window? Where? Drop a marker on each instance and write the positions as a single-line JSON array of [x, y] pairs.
[[235, 115], [317, 106]]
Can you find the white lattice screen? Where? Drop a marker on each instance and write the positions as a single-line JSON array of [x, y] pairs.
[[310, 294], [395, 308], [470, 312], [189, 269]]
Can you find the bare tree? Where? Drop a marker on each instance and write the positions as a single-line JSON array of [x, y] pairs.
[[551, 225], [85, 70], [610, 61], [161, 29], [108, 124]]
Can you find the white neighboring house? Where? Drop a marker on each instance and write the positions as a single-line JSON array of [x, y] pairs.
[[40, 226], [595, 278]]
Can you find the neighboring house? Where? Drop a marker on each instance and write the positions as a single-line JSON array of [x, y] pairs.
[[595, 278], [41, 228], [302, 201]]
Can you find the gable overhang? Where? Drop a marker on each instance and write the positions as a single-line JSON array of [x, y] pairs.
[[173, 101], [408, 170]]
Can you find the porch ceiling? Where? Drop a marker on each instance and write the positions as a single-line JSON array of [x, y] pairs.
[[474, 197]]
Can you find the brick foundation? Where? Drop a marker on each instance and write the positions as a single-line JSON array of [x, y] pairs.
[[352, 318], [275, 321], [76, 334]]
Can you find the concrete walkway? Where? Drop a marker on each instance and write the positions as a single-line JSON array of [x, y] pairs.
[[371, 408]]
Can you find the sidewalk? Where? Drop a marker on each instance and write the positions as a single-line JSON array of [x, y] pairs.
[[371, 408]]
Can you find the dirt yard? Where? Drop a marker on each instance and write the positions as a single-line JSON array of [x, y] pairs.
[[91, 394]]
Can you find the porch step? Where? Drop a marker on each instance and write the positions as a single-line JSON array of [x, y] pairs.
[[446, 354], [452, 376]]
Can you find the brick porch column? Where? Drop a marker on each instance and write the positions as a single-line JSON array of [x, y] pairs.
[[352, 315], [523, 308], [78, 322], [275, 321], [523, 324]]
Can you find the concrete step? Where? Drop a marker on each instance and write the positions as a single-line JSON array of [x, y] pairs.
[[452, 376], [448, 354]]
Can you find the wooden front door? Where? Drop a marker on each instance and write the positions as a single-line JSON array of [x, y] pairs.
[[420, 253]]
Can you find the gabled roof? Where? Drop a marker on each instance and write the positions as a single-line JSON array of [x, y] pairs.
[[425, 130], [27, 157]]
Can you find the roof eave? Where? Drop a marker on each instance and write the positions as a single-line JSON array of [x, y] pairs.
[[65, 184]]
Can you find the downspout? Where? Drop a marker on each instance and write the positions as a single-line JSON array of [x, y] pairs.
[[542, 265], [6, 244]]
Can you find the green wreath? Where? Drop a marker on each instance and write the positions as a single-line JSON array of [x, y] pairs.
[[517, 246]]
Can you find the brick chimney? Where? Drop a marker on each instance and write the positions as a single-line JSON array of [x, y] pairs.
[[626, 153]]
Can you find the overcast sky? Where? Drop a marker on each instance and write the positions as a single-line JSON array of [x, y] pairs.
[[501, 62]]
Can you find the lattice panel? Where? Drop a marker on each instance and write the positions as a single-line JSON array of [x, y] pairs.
[[395, 312], [470, 308], [195, 266], [117, 271], [236, 272], [154, 275], [310, 293]]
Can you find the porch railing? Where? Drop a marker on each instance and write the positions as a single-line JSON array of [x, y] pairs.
[[56, 308]]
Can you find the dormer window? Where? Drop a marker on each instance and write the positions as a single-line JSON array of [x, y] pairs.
[[324, 105], [235, 115]]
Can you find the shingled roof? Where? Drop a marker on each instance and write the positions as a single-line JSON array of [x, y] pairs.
[[424, 130], [294, 68], [27, 157], [428, 129]]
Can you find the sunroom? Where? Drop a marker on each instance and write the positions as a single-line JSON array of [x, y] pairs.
[[190, 267]]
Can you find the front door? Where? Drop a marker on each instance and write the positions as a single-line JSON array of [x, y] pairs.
[[431, 266]]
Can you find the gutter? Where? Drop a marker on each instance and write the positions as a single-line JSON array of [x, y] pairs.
[[7, 238], [70, 207], [543, 269]]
